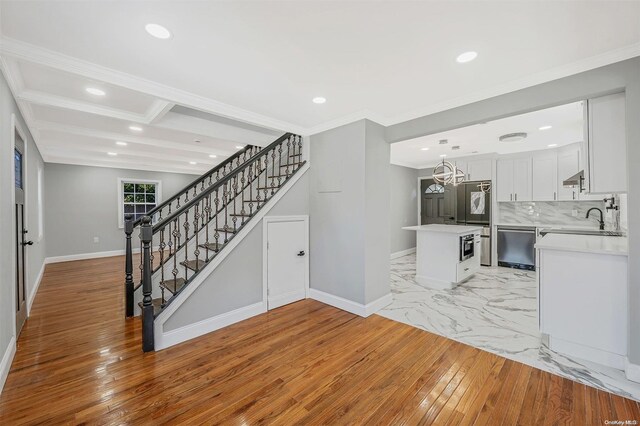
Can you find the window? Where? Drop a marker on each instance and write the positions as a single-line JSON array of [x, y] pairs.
[[18, 168], [434, 188], [137, 197]]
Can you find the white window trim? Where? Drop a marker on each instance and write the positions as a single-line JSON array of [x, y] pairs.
[[40, 203], [158, 184]]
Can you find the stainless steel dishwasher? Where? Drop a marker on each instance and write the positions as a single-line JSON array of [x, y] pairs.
[[516, 247]]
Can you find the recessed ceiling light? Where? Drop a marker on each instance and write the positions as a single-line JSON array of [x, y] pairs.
[[213, 156], [551, 145], [443, 155], [121, 143], [466, 57], [158, 31], [135, 128], [193, 163], [113, 154], [319, 100], [424, 149], [239, 146], [544, 128], [95, 91]]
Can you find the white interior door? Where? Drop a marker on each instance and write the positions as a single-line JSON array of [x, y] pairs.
[[287, 261]]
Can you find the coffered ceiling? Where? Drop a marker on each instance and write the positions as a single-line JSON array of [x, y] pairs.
[[244, 72]]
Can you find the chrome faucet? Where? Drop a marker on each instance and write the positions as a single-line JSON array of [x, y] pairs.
[[601, 216]]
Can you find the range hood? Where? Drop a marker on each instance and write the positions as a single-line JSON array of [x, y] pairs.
[[575, 180]]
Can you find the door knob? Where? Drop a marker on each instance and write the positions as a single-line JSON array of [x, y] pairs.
[[301, 253]]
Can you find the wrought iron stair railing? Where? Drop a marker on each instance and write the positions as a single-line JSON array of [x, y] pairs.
[[178, 244]]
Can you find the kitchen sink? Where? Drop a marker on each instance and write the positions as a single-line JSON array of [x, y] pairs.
[[583, 232]]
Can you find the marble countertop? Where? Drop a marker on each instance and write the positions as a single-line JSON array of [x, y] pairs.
[[617, 246], [451, 229], [549, 225]]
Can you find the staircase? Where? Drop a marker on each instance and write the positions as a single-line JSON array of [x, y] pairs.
[[181, 236]]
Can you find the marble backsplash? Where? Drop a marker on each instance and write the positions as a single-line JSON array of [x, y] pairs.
[[550, 212]]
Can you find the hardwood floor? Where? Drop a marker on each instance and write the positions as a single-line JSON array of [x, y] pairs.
[[79, 361]]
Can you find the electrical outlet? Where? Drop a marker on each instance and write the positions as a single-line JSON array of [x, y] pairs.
[[96, 240], [574, 213]]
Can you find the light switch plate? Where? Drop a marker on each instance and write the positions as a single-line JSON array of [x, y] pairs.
[[574, 213]]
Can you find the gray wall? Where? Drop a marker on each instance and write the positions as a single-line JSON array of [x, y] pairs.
[[404, 207], [623, 75], [349, 209], [237, 282], [82, 203], [336, 208], [376, 212], [35, 253]]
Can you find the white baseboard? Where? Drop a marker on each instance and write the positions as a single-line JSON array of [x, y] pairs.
[[32, 296], [7, 358], [632, 371], [373, 307], [84, 256], [94, 255], [402, 253], [349, 305], [165, 339]]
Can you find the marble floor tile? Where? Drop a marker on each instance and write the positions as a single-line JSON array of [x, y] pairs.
[[496, 310]]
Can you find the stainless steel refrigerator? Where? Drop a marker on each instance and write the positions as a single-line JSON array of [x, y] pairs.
[[467, 204]]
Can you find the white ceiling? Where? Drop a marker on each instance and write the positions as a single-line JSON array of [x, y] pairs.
[[567, 127], [262, 63]]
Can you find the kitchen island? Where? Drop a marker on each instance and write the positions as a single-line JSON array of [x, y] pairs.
[[446, 255]]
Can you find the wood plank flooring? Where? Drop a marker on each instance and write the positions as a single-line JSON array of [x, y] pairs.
[[80, 362]]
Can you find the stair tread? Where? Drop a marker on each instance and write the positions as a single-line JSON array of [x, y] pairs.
[[173, 285], [295, 155], [279, 176], [292, 164], [157, 305], [228, 230], [193, 264], [254, 201], [269, 187], [241, 214], [212, 246]]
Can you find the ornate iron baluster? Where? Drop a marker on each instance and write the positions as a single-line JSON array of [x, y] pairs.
[[162, 247], [185, 225]]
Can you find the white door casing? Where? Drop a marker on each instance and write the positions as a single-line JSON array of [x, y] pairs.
[[286, 259]]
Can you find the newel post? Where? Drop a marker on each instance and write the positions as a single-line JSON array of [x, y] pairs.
[[146, 235], [128, 266]]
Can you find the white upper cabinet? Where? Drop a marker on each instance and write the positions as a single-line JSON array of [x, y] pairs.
[[479, 169], [504, 180], [513, 179], [568, 165], [462, 166], [545, 177], [606, 145], [522, 179]]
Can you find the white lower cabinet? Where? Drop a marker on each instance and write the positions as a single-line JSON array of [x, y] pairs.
[[583, 304]]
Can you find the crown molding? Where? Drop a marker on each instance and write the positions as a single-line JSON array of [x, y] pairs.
[[24, 51]]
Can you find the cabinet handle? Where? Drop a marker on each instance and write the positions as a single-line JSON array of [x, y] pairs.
[[516, 197], [573, 194], [510, 197], [554, 196]]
